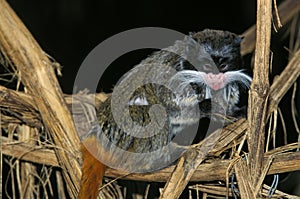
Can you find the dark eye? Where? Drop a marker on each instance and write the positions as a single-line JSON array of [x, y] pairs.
[[223, 67]]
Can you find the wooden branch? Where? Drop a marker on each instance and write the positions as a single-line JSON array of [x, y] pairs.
[[26, 183], [214, 170], [36, 73], [27, 152], [246, 187], [287, 10], [21, 107], [209, 171], [284, 82], [190, 161], [257, 103], [187, 165], [23, 110]]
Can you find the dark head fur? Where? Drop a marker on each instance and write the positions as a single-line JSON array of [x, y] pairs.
[[212, 51]]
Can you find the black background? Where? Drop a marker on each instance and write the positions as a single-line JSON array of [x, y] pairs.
[[69, 30]]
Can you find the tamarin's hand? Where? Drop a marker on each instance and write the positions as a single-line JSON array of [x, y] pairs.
[[201, 77]]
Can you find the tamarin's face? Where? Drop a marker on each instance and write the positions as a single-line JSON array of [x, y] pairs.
[[211, 62], [215, 55]]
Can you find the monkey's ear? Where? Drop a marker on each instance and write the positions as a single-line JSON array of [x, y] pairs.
[[238, 39]]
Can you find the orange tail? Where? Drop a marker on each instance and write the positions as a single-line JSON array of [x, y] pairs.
[[92, 171]]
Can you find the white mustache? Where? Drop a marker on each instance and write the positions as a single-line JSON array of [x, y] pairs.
[[239, 77], [183, 79]]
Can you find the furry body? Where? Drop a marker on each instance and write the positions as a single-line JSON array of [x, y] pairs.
[[208, 67]]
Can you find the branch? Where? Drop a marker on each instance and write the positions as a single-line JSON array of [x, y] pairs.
[[37, 75], [209, 171], [287, 10], [27, 152], [187, 165], [249, 177], [284, 82]]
